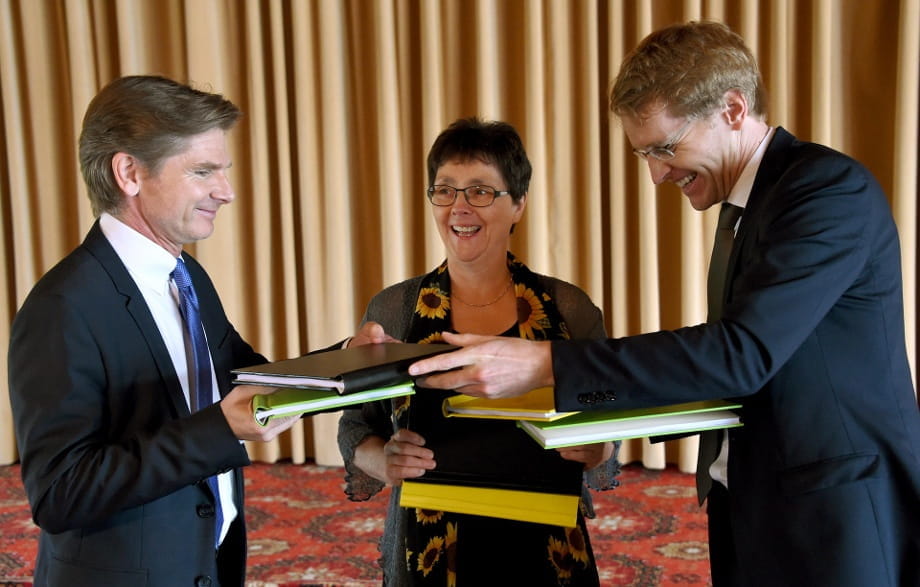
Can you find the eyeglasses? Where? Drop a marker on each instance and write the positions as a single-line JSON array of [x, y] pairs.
[[665, 152], [476, 195]]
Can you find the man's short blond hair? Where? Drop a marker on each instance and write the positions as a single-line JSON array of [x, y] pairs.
[[687, 68]]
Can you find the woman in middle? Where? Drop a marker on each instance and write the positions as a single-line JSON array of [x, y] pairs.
[[479, 175]]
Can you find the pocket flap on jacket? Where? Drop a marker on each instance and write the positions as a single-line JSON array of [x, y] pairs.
[[828, 473]]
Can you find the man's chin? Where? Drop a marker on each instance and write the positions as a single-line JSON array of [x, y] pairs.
[[201, 231], [699, 205], [701, 202]]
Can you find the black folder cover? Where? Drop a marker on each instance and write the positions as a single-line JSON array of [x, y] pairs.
[[488, 453], [345, 370]]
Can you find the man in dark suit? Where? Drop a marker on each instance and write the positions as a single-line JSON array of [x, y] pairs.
[[821, 486], [133, 478]]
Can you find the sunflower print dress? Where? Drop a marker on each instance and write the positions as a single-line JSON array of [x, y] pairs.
[[450, 549]]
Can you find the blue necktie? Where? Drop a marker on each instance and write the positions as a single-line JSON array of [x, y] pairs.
[[199, 377]]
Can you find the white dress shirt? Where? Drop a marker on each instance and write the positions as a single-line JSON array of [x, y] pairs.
[[150, 265], [739, 196]]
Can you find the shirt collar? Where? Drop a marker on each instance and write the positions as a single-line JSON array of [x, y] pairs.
[[149, 263], [741, 191]]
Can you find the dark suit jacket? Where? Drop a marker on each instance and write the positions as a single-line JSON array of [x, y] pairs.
[[824, 476], [112, 461]]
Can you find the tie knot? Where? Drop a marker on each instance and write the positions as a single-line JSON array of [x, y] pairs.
[[180, 275], [729, 215]]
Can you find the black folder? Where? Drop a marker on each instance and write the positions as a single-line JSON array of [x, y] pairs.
[[346, 371]]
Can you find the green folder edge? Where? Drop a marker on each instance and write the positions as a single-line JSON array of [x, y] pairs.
[[300, 401], [594, 417]]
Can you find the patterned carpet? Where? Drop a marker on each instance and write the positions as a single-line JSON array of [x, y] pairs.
[[303, 532]]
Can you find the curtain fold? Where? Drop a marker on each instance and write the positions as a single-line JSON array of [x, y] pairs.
[[342, 99]]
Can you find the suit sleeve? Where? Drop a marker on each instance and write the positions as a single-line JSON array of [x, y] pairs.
[[802, 246], [96, 428]]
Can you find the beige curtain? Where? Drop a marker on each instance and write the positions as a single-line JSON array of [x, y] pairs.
[[342, 99]]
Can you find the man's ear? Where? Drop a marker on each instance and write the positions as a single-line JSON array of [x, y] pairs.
[[735, 109], [126, 169]]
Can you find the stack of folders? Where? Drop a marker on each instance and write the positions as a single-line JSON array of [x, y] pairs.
[[472, 477], [535, 414], [538, 485], [335, 379]]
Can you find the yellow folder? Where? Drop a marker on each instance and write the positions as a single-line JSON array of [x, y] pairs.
[[537, 405], [526, 506]]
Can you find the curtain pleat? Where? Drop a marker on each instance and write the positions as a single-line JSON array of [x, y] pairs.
[[341, 101], [905, 157]]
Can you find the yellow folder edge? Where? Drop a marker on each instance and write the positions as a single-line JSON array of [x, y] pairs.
[[534, 405], [525, 506]]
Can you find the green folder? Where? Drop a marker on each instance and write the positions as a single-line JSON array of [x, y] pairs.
[[607, 425], [291, 401]]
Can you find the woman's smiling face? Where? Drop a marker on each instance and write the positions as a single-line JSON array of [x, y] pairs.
[[472, 233]]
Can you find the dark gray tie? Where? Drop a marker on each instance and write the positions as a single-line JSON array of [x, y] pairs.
[[718, 264], [718, 268]]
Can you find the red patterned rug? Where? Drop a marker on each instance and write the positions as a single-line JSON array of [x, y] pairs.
[[304, 532]]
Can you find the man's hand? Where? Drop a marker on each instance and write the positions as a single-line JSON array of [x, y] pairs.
[[488, 366], [370, 333], [237, 408]]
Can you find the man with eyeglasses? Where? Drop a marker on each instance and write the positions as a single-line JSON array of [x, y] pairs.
[[821, 486]]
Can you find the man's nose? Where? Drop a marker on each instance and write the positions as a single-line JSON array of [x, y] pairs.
[[658, 169]]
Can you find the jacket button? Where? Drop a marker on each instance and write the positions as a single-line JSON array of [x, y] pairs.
[[203, 581], [205, 510]]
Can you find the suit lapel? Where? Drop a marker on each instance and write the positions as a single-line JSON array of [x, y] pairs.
[[770, 169], [102, 250]]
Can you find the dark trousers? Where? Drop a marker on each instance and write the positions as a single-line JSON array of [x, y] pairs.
[[723, 560]]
